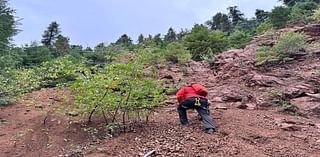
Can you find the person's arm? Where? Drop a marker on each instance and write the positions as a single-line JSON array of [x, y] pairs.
[[180, 95]]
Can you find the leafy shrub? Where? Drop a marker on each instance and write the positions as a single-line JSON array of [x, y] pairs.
[[239, 39], [34, 55], [201, 42], [263, 28], [176, 53], [119, 88], [290, 42], [278, 98], [266, 54], [59, 71], [287, 44], [15, 82], [301, 12], [316, 15], [279, 16]]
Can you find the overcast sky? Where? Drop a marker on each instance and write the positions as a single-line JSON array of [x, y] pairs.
[[89, 22]]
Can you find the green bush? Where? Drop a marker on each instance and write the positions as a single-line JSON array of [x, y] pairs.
[[279, 16], [201, 42], [263, 28], [15, 82], [316, 15], [239, 39], [118, 89], [290, 42], [176, 53], [59, 71], [301, 12], [287, 44]]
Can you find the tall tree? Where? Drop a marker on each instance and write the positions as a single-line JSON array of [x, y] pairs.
[[124, 40], [50, 35], [279, 16], [171, 36], [202, 42], [157, 39], [62, 45], [221, 22], [181, 34], [140, 39], [236, 15], [261, 15], [8, 24]]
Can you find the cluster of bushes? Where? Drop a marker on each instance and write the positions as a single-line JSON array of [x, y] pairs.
[[288, 44]]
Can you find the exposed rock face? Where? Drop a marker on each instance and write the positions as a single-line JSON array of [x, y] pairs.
[[234, 80]]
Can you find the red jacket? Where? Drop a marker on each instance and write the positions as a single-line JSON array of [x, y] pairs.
[[187, 92]]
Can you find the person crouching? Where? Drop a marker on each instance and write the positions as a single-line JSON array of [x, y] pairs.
[[195, 96]]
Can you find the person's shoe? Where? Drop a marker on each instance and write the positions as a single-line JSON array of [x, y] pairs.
[[185, 125], [210, 131]]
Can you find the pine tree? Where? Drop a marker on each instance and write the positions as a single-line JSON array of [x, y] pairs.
[[220, 22], [124, 40], [8, 25], [140, 39], [171, 36], [236, 15], [261, 15], [51, 34], [62, 45]]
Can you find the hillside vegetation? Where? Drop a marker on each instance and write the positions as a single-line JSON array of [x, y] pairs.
[[118, 99]]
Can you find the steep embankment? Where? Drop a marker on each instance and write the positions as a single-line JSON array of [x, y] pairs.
[[243, 100]]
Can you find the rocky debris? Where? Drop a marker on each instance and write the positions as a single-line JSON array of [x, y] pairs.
[[230, 97], [249, 106], [307, 105], [293, 92], [290, 127], [313, 30], [262, 81]]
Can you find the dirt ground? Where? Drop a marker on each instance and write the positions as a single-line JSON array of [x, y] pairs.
[[239, 133]]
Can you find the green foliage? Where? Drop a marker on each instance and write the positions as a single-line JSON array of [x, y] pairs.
[[176, 53], [291, 3], [220, 22], [266, 55], [124, 40], [50, 35], [287, 44], [316, 15], [263, 28], [62, 45], [235, 14], [34, 55], [118, 88], [279, 16], [248, 26], [301, 12], [140, 39], [173, 52], [59, 71], [239, 39], [15, 82], [261, 15], [290, 42], [171, 36], [201, 42], [278, 98], [8, 24]]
